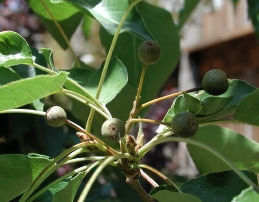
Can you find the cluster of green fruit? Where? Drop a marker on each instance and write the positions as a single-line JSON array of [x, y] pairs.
[[184, 124]]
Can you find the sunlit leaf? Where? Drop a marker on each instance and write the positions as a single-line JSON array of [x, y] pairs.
[[109, 14], [14, 49], [247, 195], [65, 15], [25, 91]]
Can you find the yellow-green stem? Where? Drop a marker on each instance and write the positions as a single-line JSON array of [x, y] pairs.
[[143, 150], [97, 172], [107, 61], [167, 97], [151, 121], [160, 175]]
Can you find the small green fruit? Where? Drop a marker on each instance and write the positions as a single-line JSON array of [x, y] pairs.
[[56, 116], [184, 124], [113, 130], [215, 82], [149, 52]]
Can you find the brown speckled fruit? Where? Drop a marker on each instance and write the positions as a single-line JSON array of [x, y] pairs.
[[149, 52], [215, 82], [56, 116], [184, 124], [113, 130]]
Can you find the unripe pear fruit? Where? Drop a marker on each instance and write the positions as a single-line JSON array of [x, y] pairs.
[[113, 130], [149, 52], [215, 82], [184, 124], [56, 116]]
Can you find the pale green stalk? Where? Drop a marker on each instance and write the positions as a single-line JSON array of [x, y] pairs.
[[107, 61], [49, 169], [97, 172], [94, 100], [23, 111], [76, 171], [143, 150]]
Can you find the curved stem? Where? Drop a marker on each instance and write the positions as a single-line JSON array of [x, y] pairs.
[[85, 101], [92, 158], [93, 99], [76, 171], [143, 150], [107, 61], [160, 175], [167, 97], [151, 121], [49, 169], [97, 172], [44, 69], [61, 32], [23, 111]]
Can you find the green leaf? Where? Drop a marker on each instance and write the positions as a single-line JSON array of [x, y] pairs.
[[186, 11], [109, 14], [69, 191], [7, 75], [247, 110], [253, 10], [213, 104], [239, 90], [14, 49], [235, 147], [25, 91], [126, 50], [48, 55], [17, 173], [215, 187], [247, 195], [116, 78], [168, 196], [66, 15], [63, 191]]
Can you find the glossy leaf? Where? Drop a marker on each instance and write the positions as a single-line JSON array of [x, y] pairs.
[[126, 50], [215, 187], [235, 147], [14, 49], [67, 16], [116, 78], [186, 11], [247, 110], [247, 195], [17, 173], [212, 107], [109, 14], [191, 103], [25, 91], [168, 196]]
